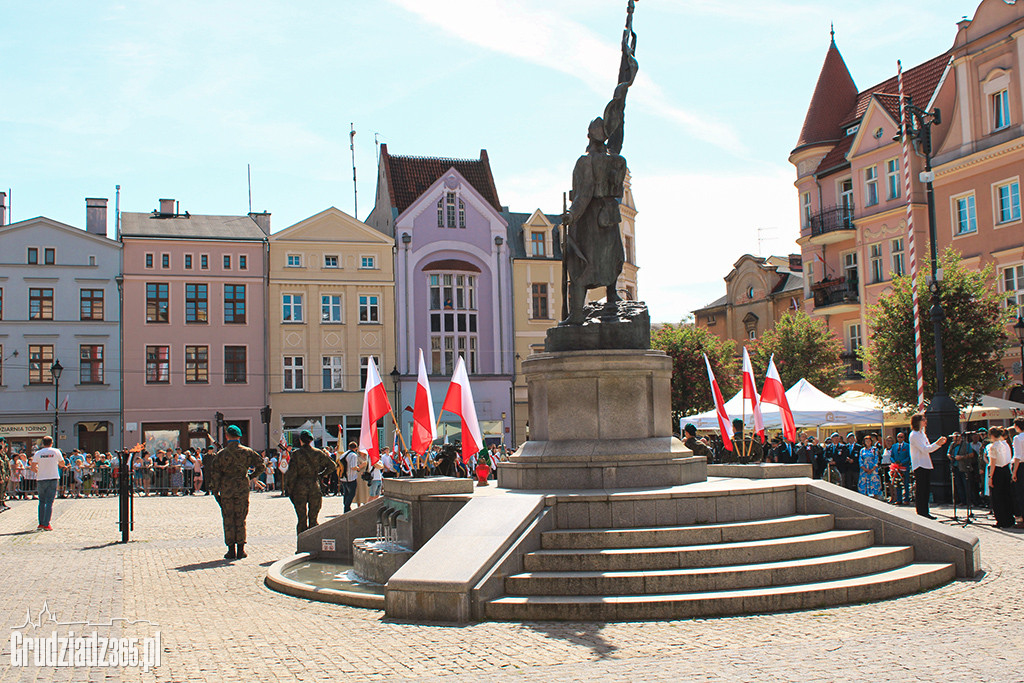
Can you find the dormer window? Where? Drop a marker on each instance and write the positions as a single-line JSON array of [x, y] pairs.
[[537, 243]]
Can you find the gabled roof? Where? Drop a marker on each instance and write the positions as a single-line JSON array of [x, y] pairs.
[[330, 225], [192, 226], [834, 95], [516, 234], [919, 84], [836, 158], [51, 223], [409, 177]]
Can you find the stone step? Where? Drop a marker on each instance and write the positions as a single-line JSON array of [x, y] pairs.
[[651, 537], [880, 586], [788, 572], [675, 557]]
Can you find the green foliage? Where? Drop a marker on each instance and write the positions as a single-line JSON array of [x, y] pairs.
[[804, 347], [686, 344], [974, 337]]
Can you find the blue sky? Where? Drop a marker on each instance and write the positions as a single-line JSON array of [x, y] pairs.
[[174, 99]]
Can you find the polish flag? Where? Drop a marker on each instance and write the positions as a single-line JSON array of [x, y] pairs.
[[424, 426], [375, 406], [775, 394], [723, 417], [65, 403], [459, 400], [750, 392], [47, 405]]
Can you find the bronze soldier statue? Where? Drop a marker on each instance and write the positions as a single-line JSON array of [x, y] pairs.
[[302, 480], [230, 484], [593, 254], [5, 472]]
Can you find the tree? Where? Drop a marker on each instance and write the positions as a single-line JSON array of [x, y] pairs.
[[974, 337], [686, 345], [804, 347]]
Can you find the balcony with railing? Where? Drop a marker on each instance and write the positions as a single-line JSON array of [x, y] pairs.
[[832, 225], [838, 292], [853, 366]]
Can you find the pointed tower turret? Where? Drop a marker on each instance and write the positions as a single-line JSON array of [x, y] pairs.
[[834, 97]]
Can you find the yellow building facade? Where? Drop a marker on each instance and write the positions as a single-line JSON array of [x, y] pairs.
[[330, 308], [537, 288]]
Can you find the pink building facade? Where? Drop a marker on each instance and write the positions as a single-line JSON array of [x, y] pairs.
[[853, 203], [195, 343]]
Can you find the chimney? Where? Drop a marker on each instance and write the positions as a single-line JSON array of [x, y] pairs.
[[3, 209], [796, 262], [167, 207], [262, 220], [96, 216]]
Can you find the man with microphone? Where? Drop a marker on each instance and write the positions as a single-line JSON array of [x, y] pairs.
[[921, 462]]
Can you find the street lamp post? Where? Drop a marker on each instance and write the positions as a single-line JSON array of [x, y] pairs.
[[1018, 329], [943, 415], [55, 371], [395, 375]]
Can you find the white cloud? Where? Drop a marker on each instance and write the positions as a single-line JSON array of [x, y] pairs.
[[548, 39]]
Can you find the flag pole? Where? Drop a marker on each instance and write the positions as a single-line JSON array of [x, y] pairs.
[[398, 430]]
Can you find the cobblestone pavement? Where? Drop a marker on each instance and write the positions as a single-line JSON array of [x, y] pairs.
[[218, 622]]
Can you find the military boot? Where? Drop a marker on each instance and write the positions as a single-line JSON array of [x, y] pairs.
[[240, 553], [230, 554]]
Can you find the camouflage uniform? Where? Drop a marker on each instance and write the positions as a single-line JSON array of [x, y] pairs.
[[230, 483], [697, 447], [752, 447], [302, 481], [5, 474]]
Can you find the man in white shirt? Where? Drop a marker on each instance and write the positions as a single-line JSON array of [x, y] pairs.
[[46, 464], [1017, 471], [921, 462], [350, 475]]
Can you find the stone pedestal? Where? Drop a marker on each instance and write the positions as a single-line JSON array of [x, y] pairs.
[[598, 420]]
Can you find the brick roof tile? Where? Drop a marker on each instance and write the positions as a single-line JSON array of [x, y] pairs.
[[409, 177]]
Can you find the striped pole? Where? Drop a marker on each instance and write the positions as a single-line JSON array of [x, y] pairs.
[[910, 239]]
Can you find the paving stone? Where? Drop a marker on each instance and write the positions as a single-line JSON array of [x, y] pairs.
[[218, 621]]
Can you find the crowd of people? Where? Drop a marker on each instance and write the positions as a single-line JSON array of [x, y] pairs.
[[179, 472], [987, 465]]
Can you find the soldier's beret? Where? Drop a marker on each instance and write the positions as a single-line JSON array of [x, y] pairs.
[[306, 435], [234, 431]]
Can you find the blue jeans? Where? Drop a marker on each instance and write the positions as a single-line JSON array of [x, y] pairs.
[[47, 489], [348, 492]]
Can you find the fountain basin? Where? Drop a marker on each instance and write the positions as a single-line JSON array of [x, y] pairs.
[[304, 576], [377, 559]]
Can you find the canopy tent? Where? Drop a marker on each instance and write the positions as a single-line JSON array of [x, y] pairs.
[[811, 408], [987, 408], [864, 400]]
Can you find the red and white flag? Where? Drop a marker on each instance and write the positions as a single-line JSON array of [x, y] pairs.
[[375, 406], [47, 405], [65, 403], [750, 393], [424, 426], [775, 394], [459, 400], [723, 417]]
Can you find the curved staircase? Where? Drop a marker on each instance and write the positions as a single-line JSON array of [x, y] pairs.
[[795, 561]]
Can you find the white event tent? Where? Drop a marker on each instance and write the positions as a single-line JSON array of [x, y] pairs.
[[811, 408]]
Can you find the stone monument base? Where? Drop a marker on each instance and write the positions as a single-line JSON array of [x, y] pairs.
[[619, 325], [598, 420]]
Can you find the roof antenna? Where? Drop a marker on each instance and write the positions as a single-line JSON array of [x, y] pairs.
[[355, 187], [248, 173]]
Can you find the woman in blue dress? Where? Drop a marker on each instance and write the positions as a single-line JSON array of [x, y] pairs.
[[869, 484]]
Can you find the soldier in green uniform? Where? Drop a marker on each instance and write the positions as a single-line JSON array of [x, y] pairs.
[[746, 445], [302, 480], [5, 472], [696, 446], [230, 483]]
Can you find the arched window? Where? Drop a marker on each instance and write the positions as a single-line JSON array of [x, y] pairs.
[[449, 203], [453, 321]]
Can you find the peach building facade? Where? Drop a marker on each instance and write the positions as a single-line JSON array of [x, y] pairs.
[[850, 185], [194, 326]]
